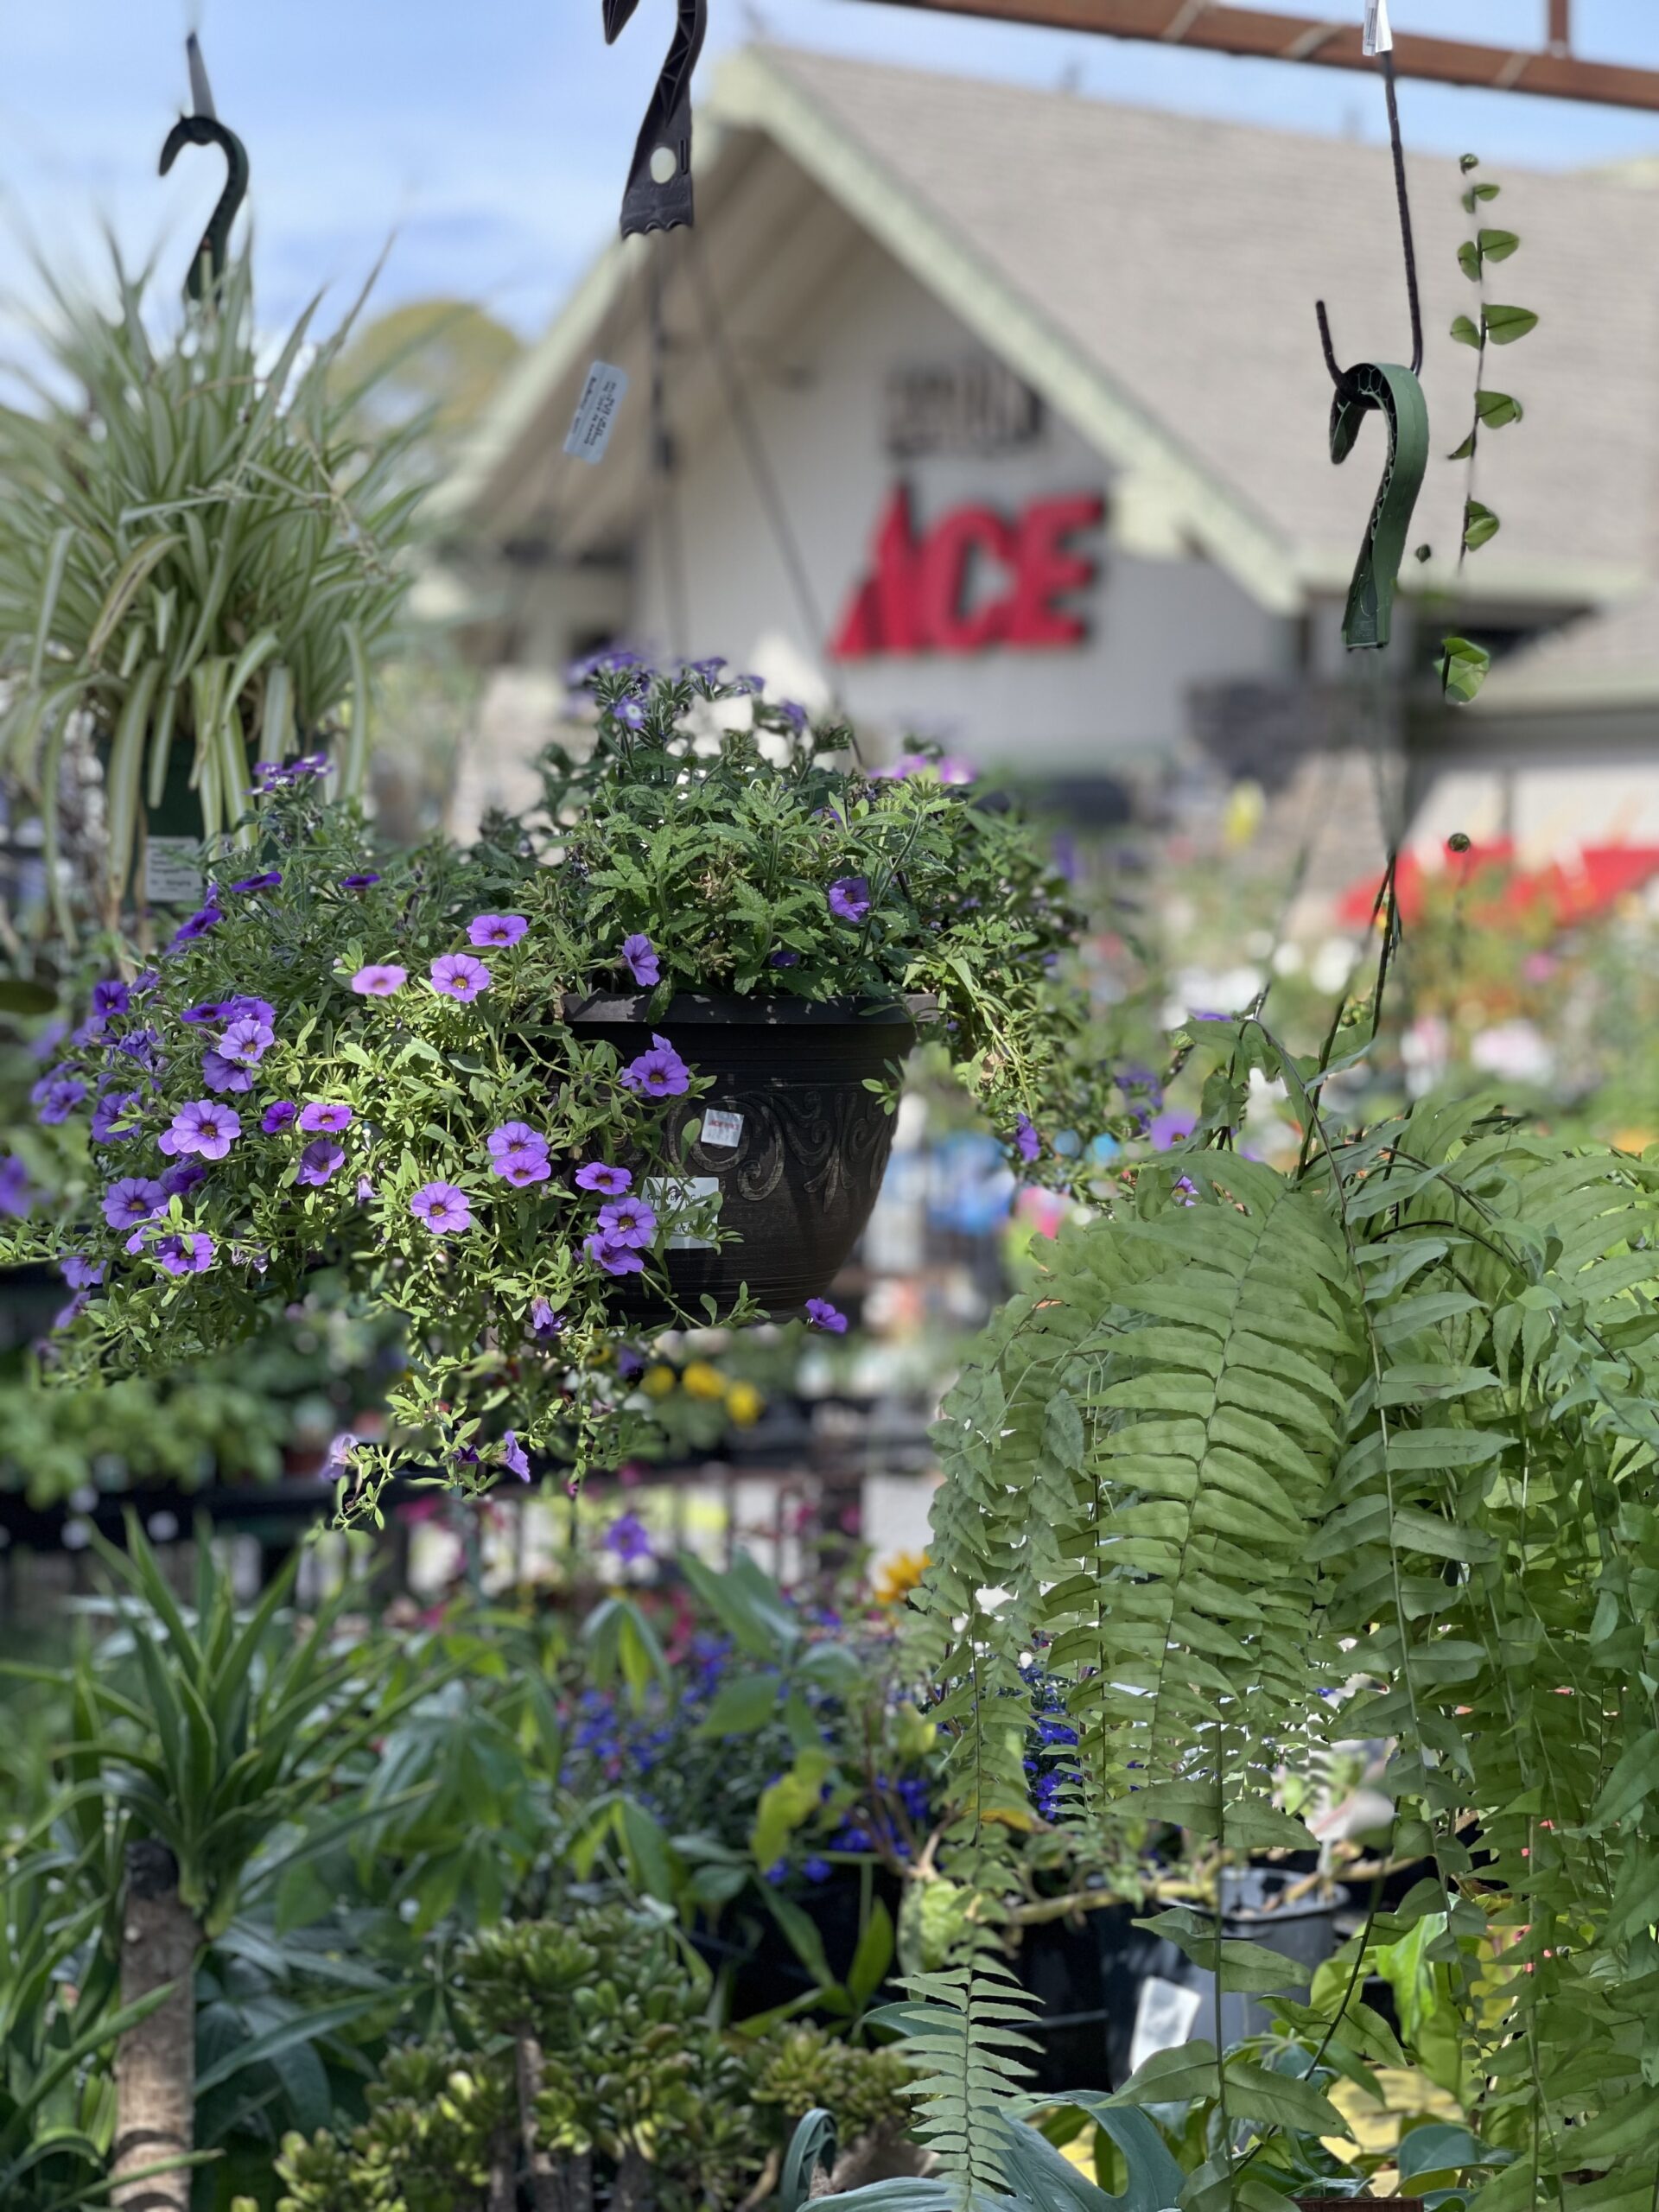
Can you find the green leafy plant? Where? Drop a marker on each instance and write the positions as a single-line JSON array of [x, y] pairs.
[[199, 553], [396, 1090], [1364, 1447], [1463, 665]]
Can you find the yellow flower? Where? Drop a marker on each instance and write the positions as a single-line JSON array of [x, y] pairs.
[[702, 1381], [659, 1381], [896, 1577], [745, 1404]]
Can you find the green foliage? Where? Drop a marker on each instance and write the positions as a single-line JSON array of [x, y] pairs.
[[584, 2048], [196, 548], [1383, 1428], [1462, 666]]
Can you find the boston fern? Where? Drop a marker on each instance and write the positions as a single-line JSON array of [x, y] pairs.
[[1366, 1449]]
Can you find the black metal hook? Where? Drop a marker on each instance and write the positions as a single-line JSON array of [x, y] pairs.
[[650, 204], [204, 129]]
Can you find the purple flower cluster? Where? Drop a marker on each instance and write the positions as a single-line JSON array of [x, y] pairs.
[[849, 898], [278, 775], [458, 975], [519, 1154]]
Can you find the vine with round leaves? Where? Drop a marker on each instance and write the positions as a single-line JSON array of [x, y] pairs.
[[1464, 665]]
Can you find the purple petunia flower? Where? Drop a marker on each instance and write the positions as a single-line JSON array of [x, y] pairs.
[[222, 1075], [379, 979], [629, 1221], [188, 1254], [708, 670], [66, 1316], [794, 714], [639, 957], [629, 1364], [822, 1315], [659, 1073], [1026, 1143], [319, 1160], [246, 1041], [458, 975], [628, 1538], [630, 713], [441, 1208], [210, 1010], [201, 1126], [784, 959], [522, 1167], [182, 1177], [514, 1136], [496, 929], [198, 925], [278, 1116], [132, 1200], [1168, 1128], [545, 1322], [513, 1458], [268, 881], [849, 898], [14, 1197], [110, 1121], [110, 998], [243, 1009], [81, 1273], [329, 1114], [358, 882], [611, 1254], [598, 1176], [56, 1096]]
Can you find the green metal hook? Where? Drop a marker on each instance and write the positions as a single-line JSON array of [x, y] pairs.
[[1394, 394], [205, 129]]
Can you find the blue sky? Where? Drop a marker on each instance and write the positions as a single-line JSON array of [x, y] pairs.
[[491, 136]]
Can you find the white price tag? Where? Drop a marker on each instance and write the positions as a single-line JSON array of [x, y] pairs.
[[1379, 39], [673, 1193], [721, 1128], [595, 415], [1163, 2018], [172, 873]]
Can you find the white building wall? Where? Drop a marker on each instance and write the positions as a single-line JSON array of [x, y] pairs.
[[1114, 701]]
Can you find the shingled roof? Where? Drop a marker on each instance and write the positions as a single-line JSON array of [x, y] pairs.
[[1155, 275]]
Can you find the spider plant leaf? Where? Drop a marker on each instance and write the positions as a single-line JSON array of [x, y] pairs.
[[53, 586], [357, 748], [132, 573], [125, 768]]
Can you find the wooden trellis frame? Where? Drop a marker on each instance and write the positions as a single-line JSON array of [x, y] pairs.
[[1553, 72]]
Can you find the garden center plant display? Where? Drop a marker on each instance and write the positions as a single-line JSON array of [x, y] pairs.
[[465, 1081]]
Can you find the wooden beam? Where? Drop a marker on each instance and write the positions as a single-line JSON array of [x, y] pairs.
[[1265, 37]]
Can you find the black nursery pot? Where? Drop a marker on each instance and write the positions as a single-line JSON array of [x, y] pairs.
[[31, 1297], [806, 1146]]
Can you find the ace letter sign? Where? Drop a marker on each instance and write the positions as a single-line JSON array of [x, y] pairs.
[[976, 580]]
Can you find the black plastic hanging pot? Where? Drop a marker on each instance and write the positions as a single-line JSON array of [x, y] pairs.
[[31, 1297], [790, 1137]]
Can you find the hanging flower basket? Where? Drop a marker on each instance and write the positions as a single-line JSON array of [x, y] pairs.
[[790, 1136]]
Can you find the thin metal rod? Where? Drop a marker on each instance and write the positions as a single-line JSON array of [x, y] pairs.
[[1404, 200], [1275, 37], [663, 455]]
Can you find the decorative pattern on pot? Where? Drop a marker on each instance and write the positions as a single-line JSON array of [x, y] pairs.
[[789, 1134]]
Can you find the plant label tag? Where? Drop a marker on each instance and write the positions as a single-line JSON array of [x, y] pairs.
[[595, 415], [673, 1194], [1163, 2018], [720, 1128], [173, 871], [1379, 39]]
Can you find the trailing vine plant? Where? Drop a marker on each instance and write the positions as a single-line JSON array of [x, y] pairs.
[[1464, 665], [1361, 1449]]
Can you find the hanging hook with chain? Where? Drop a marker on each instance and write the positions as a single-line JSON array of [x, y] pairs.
[[655, 202], [203, 128], [1394, 394]]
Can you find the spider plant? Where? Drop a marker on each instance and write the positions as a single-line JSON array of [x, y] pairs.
[[199, 553]]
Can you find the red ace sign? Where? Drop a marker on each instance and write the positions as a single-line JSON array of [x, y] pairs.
[[976, 580]]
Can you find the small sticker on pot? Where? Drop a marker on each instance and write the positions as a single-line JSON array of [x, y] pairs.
[[1163, 2018], [720, 1128], [674, 1194], [173, 871], [595, 415]]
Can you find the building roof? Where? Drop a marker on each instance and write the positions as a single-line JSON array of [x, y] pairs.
[[1609, 659], [1153, 276]]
